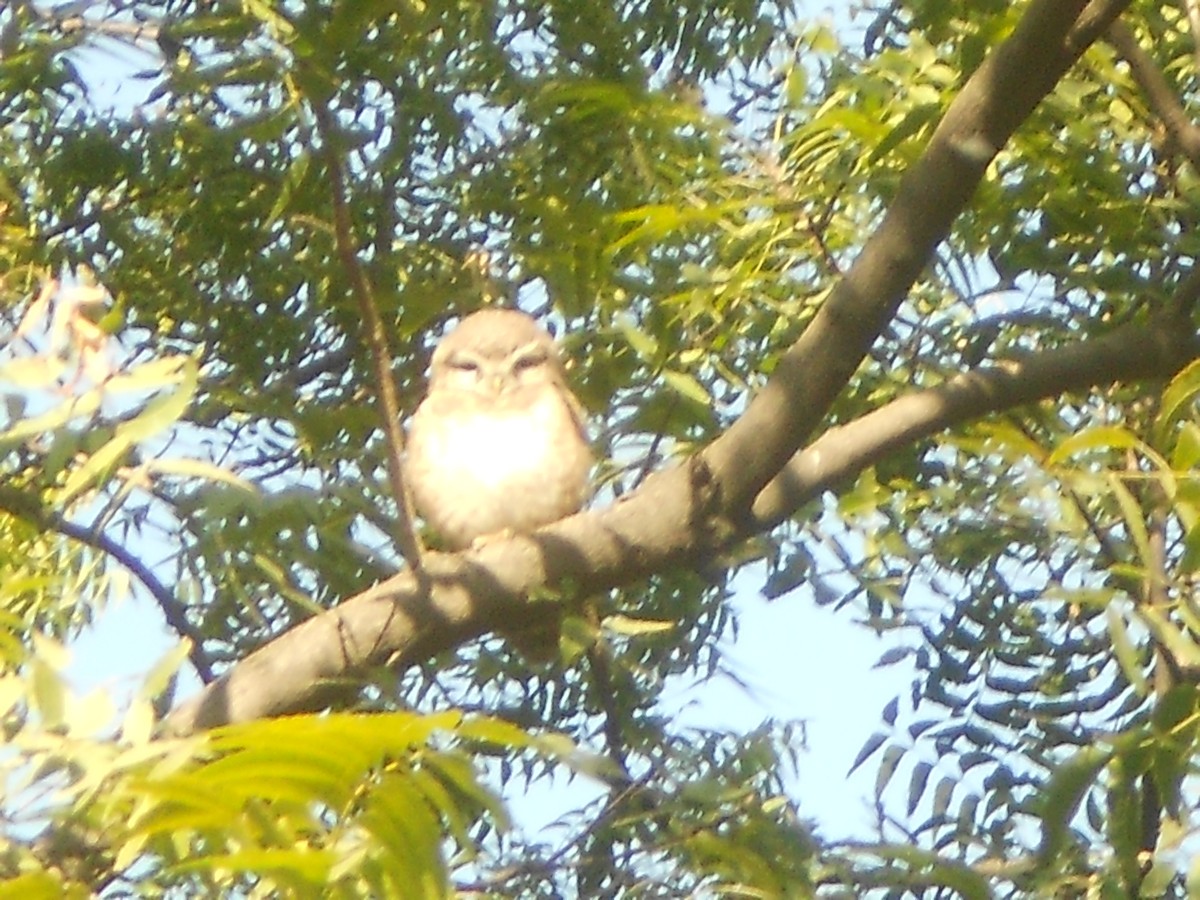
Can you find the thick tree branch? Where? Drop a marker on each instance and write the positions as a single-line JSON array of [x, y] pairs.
[[690, 512], [1131, 353], [997, 98], [396, 622]]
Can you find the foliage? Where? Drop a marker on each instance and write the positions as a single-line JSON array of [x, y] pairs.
[[677, 186], [341, 805]]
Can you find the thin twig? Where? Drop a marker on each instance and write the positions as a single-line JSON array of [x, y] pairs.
[[385, 387], [1162, 98], [599, 658], [16, 503]]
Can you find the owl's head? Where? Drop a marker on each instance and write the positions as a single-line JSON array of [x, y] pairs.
[[495, 352]]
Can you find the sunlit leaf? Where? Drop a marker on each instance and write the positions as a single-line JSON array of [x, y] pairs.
[[1178, 395], [1101, 437], [632, 627], [159, 413]]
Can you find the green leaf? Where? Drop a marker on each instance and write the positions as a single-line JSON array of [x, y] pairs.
[[942, 795], [936, 870], [643, 344], [1100, 437], [47, 693], [686, 385], [1179, 643], [1134, 517], [197, 468], [156, 375], [51, 420], [293, 178], [887, 768], [916, 784], [1061, 797], [1186, 454], [159, 413], [916, 120], [632, 627], [310, 865], [1158, 880], [33, 372], [165, 670], [1178, 399], [40, 886], [1127, 656], [401, 822], [873, 743], [1189, 561]]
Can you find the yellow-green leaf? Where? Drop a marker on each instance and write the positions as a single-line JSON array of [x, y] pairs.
[[159, 413], [1102, 437], [629, 626]]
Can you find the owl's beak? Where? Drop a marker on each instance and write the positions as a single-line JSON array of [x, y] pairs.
[[495, 383]]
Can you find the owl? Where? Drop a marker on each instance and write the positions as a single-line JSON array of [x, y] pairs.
[[498, 443]]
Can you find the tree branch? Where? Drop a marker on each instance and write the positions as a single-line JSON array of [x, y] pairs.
[[998, 97], [381, 358], [1130, 353], [17, 503], [396, 622], [692, 511], [1159, 94]]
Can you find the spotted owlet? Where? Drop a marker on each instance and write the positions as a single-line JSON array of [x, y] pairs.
[[498, 442]]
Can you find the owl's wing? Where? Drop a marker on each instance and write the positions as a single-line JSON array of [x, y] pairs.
[[578, 413]]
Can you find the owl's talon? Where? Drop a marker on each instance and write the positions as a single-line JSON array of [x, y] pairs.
[[478, 543]]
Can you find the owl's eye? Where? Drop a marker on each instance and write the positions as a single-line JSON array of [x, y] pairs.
[[463, 364], [531, 359]]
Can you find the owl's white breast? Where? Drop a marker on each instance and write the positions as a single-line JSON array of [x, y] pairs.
[[492, 448], [479, 467]]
